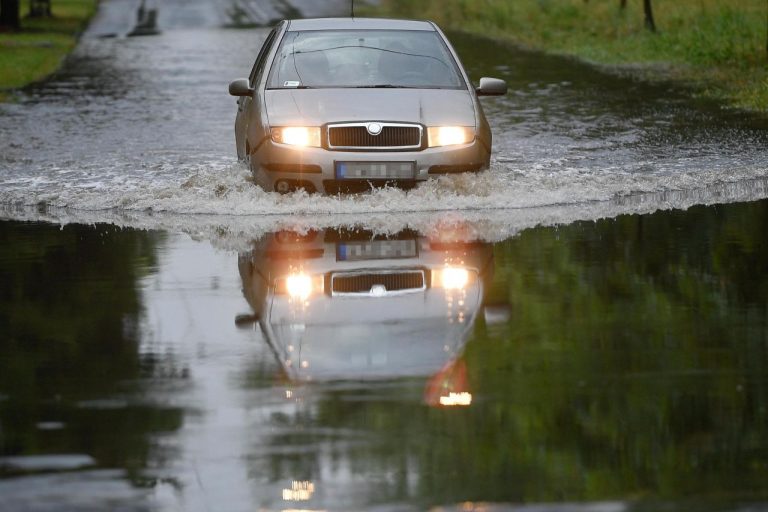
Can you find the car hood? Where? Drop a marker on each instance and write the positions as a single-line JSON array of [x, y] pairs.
[[373, 350], [316, 107]]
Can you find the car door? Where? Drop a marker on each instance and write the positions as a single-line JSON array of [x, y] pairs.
[[245, 104]]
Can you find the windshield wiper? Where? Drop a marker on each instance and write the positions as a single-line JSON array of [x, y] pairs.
[[383, 86]]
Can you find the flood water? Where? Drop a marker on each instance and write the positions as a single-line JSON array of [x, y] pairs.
[[584, 327], [613, 365]]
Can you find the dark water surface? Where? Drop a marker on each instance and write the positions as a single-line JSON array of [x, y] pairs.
[[611, 365]]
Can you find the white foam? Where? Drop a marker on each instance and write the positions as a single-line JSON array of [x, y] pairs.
[[228, 190], [436, 207]]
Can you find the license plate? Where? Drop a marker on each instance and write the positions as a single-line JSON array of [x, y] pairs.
[[375, 170], [376, 250]]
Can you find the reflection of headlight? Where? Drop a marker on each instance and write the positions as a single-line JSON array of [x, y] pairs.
[[299, 491], [300, 286], [452, 278], [456, 399], [297, 136], [450, 135]]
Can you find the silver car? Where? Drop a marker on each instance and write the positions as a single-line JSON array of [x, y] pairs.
[[342, 304], [341, 104]]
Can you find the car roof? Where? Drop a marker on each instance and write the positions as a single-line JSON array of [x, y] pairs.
[[358, 24]]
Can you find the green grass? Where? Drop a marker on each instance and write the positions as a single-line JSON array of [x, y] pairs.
[[37, 50], [719, 45]]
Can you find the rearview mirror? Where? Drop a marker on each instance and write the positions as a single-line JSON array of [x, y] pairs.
[[491, 87], [240, 87]]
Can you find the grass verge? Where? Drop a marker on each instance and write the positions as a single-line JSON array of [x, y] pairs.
[[718, 45], [37, 50]]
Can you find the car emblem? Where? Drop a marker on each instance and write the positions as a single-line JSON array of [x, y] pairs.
[[373, 128], [378, 290]]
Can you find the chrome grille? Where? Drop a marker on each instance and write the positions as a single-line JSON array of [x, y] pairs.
[[392, 136], [362, 283]]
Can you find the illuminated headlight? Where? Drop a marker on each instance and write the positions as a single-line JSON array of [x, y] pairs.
[[452, 278], [297, 136], [450, 135], [300, 286]]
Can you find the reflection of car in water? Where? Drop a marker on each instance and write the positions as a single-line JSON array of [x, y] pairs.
[[337, 305], [339, 104]]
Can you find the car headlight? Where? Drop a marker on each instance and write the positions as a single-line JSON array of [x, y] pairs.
[[300, 285], [452, 278], [297, 136], [450, 135]]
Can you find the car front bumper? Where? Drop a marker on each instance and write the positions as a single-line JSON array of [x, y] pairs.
[[280, 167]]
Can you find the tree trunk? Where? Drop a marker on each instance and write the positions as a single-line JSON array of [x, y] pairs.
[[649, 23], [623, 4], [9, 14]]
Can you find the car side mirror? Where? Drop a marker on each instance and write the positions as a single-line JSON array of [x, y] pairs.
[[240, 87], [497, 314], [491, 87], [246, 321]]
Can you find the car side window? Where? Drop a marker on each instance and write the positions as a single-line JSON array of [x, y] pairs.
[[261, 60]]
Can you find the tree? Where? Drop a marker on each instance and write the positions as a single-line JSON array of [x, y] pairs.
[[9, 14], [649, 23], [623, 4]]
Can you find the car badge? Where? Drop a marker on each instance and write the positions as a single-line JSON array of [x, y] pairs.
[[374, 128], [378, 290]]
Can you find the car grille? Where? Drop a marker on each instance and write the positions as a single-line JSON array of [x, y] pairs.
[[392, 281], [391, 137]]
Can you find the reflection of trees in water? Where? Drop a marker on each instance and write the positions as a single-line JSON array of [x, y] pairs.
[[70, 311], [635, 362], [634, 365]]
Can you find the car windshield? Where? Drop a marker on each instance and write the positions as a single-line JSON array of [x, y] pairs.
[[370, 58]]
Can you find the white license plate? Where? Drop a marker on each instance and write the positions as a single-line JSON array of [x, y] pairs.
[[376, 250], [375, 170]]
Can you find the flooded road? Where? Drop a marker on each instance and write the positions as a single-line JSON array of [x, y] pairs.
[[136, 125], [611, 366], [581, 328]]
